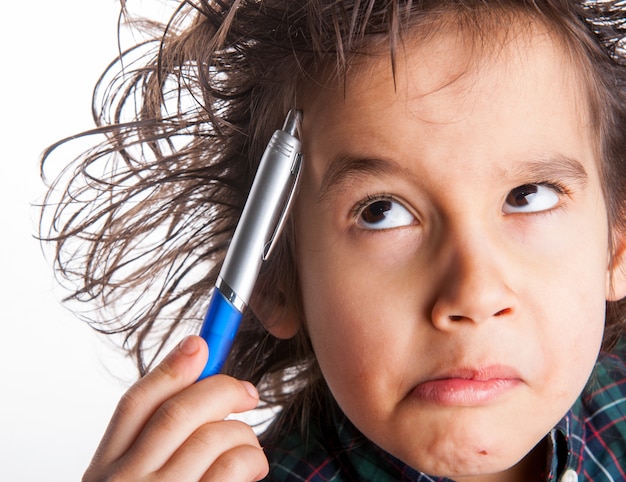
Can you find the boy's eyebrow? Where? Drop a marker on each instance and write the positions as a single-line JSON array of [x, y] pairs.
[[346, 167], [550, 168], [553, 168]]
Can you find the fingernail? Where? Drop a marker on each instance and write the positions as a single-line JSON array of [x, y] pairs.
[[188, 346], [251, 390]]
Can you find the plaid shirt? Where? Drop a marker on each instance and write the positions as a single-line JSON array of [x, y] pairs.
[[589, 443]]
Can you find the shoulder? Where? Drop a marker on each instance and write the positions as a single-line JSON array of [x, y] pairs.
[[300, 454], [605, 395], [603, 417]]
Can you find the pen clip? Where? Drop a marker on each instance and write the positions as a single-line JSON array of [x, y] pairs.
[[271, 244]]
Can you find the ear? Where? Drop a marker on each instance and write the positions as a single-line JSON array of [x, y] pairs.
[[616, 274], [277, 313]]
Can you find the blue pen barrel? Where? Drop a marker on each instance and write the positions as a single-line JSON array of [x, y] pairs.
[[219, 329]]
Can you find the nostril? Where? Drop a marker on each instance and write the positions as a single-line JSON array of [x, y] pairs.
[[503, 312]]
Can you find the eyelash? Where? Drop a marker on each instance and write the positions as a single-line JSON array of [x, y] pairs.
[[557, 186]]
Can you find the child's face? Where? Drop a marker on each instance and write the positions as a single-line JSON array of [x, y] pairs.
[[452, 245]]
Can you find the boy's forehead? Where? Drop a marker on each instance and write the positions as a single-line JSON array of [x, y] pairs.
[[449, 64]]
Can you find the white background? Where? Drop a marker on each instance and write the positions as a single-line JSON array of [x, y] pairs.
[[57, 389]]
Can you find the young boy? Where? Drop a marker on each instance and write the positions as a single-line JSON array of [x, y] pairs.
[[439, 304]]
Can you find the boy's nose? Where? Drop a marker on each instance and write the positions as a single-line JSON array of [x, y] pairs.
[[473, 288]]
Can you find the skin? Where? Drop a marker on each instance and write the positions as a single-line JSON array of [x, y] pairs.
[[164, 428], [456, 281], [456, 285]]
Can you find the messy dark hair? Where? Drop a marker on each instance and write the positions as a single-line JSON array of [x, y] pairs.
[[142, 220]]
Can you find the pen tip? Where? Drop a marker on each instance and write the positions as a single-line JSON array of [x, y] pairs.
[[292, 122]]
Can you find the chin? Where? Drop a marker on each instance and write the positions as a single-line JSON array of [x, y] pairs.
[[470, 457], [459, 464], [461, 453]]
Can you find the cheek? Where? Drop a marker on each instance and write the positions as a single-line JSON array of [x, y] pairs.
[[574, 335], [568, 312], [338, 309], [353, 320]]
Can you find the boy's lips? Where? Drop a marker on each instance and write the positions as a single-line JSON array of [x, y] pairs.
[[468, 386]]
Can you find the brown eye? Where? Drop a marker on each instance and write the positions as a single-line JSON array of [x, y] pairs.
[[384, 214], [376, 212], [531, 198], [519, 196]]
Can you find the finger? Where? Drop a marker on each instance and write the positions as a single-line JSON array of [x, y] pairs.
[[205, 446], [245, 463], [207, 401], [178, 370]]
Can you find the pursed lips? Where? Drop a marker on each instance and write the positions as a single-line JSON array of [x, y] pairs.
[[468, 386]]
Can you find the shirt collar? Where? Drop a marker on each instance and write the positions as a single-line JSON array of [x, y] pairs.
[[565, 445]]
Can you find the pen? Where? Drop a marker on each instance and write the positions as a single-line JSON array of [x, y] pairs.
[[262, 218]]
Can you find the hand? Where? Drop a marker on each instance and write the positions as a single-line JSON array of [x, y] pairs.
[[166, 427]]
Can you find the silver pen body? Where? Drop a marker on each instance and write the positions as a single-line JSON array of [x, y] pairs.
[[261, 220]]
